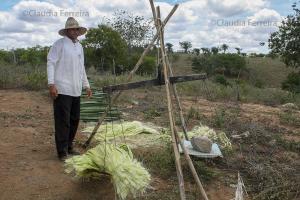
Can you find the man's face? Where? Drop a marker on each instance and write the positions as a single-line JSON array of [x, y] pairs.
[[72, 33]]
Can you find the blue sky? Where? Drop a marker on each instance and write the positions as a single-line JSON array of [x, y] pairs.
[[195, 20], [7, 4]]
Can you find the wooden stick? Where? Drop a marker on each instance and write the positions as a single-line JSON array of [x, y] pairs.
[[192, 167], [183, 124], [170, 111], [185, 152], [179, 141], [136, 67], [173, 85], [173, 127]]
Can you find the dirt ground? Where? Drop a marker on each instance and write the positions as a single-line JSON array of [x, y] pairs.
[[29, 168]]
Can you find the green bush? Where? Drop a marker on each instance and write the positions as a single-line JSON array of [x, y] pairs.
[[113, 47], [174, 57], [221, 80], [203, 64], [6, 56], [292, 83], [289, 117], [148, 66], [248, 93], [259, 84], [36, 80], [14, 76], [228, 64], [11, 76], [232, 63]]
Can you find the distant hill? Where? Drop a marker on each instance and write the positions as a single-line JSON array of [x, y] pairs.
[[271, 72]]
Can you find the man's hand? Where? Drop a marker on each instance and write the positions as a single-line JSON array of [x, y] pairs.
[[89, 92], [53, 91]]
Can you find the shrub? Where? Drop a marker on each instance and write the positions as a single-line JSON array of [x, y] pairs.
[[292, 83], [36, 80], [221, 80], [227, 64], [147, 67], [14, 76], [202, 64]]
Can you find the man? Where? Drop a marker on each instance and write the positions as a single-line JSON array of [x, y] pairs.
[[66, 78]]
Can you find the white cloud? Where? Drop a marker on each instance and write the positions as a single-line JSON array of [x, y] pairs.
[[192, 21], [228, 8]]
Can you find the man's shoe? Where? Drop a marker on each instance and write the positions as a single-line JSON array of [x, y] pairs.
[[62, 156], [72, 152]]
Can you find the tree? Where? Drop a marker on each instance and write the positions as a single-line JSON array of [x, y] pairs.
[[238, 50], [186, 45], [103, 45], [6, 56], [169, 47], [292, 83], [286, 41], [215, 50], [34, 56], [224, 47], [148, 67], [233, 64], [206, 51], [227, 64], [134, 29], [202, 64], [196, 51]]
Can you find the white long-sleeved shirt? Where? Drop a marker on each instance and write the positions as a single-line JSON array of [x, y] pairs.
[[65, 67]]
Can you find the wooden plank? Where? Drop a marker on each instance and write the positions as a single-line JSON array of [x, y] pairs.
[[129, 86], [193, 77], [153, 82]]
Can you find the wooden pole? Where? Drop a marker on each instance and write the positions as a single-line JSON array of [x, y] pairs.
[[179, 140], [192, 167], [172, 124], [185, 152], [183, 124], [170, 111], [136, 67]]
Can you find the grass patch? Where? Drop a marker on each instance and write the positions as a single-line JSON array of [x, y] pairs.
[[267, 71], [224, 116], [151, 113], [290, 117], [248, 93], [204, 171], [262, 159], [27, 77], [159, 160]]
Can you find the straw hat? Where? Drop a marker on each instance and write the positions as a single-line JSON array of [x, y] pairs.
[[72, 23]]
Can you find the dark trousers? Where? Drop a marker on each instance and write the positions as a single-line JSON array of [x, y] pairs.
[[66, 118]]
